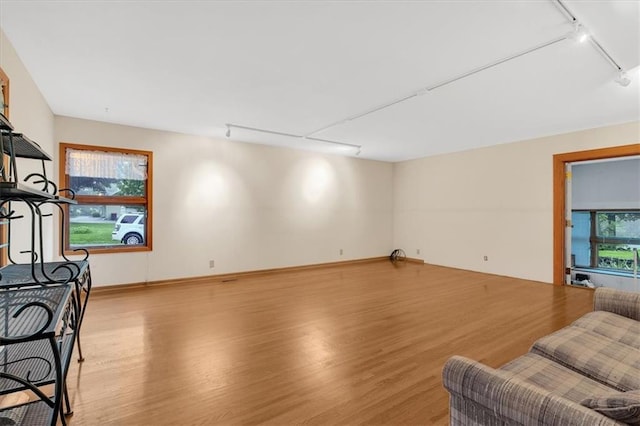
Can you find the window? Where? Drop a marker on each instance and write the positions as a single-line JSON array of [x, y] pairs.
[[112, 189], [605, 239]]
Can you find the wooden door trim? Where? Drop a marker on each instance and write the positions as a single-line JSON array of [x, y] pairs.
[[4, 235], [559, 196]]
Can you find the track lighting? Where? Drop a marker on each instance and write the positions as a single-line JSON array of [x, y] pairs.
[[622, 79], [228, 134], [342, 147], [580, 33]]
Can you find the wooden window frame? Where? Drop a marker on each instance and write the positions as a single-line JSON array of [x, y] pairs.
[[146, 201], [4, 236]]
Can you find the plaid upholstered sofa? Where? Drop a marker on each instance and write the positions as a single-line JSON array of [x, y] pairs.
[[585, 374]]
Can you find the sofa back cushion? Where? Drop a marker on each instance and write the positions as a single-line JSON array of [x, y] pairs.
[[621, 406]]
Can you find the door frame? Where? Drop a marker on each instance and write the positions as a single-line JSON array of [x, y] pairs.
[[559, 197]]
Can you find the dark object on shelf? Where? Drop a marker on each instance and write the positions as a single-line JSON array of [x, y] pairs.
[[582, 277]]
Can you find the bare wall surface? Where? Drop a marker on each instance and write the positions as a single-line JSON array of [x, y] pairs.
[[495, 202], [247, 207]]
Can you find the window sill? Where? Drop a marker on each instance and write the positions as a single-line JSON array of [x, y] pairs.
[[109, 250], [604, 272]]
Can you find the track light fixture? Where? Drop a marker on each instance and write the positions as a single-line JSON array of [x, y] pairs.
[[579, 33], [228, 133], [623, 79], [340, 146]]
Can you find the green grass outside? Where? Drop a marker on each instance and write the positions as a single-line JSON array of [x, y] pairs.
[[616, 254], [86, 234]]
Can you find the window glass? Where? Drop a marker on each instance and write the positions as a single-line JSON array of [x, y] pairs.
[[619, 234], [103, 173], [112, 188], [580, 235], [93, 225], [612, 243]]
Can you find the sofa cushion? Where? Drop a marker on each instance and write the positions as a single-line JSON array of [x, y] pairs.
[[615, 327], [602, 359], [553, 377], [622, 406]]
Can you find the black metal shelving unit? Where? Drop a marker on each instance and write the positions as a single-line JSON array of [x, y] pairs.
[[38, 328], [42, 303]]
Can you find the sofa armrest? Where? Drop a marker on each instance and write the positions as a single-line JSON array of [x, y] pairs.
[[618, 302], [503, 398]]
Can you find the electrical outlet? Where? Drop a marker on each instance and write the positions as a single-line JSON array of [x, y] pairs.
[[417, 251], [486, 258], [340, 252], [212, 263]]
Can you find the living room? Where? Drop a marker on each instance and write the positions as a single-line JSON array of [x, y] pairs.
[[223, 208]]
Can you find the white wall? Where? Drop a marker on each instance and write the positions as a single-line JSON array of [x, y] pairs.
[[31, 115], [494, 201], [248, 207]]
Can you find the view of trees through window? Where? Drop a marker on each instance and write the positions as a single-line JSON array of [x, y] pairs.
[[605, 239]]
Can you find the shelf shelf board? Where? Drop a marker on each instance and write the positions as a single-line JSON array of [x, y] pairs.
[[21, 274], [27, 193], [23, 147], [32, 413], [5, 124]]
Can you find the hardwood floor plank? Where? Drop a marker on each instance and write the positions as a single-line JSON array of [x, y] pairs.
[[351, 344]]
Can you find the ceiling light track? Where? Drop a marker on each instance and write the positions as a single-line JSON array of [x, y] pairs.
[[580, 33], [572, 17], [622, 78], [231, 126], [440, 84]]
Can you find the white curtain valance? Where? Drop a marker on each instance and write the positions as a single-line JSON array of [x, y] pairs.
[[101, 164]]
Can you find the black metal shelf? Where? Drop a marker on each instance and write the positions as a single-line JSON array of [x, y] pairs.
[[41, 303], [31, 413], [24, 192], [22, 274], [5, 124], [33, 359], [72, 272], [38, 327], [23, 147], [21, 325]]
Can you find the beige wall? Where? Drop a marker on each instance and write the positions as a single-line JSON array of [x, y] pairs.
[[248, 207], [31, 115], [494, 201]]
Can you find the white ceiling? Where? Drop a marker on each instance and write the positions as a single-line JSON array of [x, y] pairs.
[[298, 66]]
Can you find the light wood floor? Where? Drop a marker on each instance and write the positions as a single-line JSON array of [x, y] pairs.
[[357, 344]]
